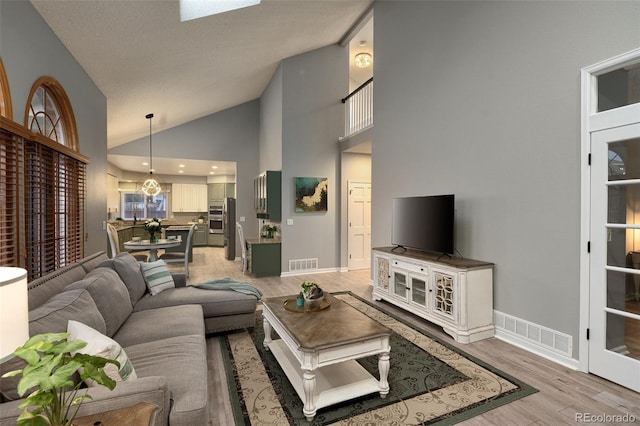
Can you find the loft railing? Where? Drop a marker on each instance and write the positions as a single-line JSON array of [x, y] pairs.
[[358, 109]]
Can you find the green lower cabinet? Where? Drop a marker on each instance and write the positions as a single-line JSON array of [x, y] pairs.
[[265, 259]]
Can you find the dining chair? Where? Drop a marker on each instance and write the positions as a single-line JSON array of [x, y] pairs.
[[181, 256], [114, 244], [243, 245]]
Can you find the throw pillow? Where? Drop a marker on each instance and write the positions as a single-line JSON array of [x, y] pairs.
[[157, 276], [100, 345]]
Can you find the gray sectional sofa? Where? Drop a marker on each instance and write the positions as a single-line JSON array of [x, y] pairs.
[[163, 335]]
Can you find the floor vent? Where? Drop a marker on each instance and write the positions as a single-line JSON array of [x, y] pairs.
[[533, 333], [301, 265]]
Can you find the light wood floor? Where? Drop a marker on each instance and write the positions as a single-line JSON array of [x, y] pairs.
[[563, 392]]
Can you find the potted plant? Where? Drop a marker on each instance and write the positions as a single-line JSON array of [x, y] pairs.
[[48, 376], [152, 226], [312, 293], [201, 218], [269, 230], [300, 300]]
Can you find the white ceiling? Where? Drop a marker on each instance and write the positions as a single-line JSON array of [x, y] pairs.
[[144, 59]]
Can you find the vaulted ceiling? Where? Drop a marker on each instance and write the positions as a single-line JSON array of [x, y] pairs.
[[144, 59]]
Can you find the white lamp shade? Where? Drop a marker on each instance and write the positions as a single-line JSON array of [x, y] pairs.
[[14, 311]]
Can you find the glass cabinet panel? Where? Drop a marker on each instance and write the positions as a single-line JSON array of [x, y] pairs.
[[400, 284], [419, 291]]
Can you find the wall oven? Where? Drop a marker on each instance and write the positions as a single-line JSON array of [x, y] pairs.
[[216, 216]]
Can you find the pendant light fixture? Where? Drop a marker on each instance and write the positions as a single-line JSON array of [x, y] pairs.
[[151, 186]]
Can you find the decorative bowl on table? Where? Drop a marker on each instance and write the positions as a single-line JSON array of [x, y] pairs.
[[313, 295]]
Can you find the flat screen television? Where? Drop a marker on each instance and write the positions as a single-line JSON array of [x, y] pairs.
[[424, 223]]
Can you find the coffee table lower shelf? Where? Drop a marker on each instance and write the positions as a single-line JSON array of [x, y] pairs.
[[334, 383]]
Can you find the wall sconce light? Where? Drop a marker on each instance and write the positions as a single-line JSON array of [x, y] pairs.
[[363, 60]]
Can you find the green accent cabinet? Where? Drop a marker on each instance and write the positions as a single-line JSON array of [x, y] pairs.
[[264, 257], [267, 188]]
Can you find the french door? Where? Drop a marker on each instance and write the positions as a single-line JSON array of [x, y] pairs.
[[614, 303]]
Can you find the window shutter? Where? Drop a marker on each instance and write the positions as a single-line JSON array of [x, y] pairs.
[[54, 208], [9, 152]]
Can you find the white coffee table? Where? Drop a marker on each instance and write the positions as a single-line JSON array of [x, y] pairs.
[[317, 351]]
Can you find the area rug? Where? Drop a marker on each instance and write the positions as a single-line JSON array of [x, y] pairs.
[[432, 382]]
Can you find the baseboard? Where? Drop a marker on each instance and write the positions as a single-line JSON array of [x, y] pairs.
[[309, 272], [542, 341]]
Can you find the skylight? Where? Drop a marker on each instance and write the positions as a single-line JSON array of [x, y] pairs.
[[194, 9]]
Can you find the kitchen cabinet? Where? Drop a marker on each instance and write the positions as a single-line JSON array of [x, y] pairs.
[[219, 191], [189, 198], [200, 235], [455, 293], [267, 188]]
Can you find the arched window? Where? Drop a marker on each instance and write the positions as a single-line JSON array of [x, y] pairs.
[[48, 180], [5, 96], [49, 113]]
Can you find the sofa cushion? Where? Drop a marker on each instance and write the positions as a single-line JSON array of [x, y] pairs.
[[111, 297], [157, 276], [91, 262], [44, 288], [161, 323], [52, 317], [128, 269], [100, 345], [214, 302], [182, 360]]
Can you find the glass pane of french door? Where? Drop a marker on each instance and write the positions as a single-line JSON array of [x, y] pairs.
[[614, 349], [623, 248]]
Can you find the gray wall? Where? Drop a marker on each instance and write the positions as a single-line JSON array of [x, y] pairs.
[[30, 50], [230, 135], [312, 121], [486, 104], [271, 124]]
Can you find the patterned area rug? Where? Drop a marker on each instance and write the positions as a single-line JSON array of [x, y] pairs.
[[432, 383]]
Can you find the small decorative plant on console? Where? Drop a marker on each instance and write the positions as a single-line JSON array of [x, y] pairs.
[[152, 227], [312, 293], [269, 231], [48, 376]]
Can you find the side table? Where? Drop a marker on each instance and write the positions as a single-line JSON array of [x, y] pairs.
[[140, 414]]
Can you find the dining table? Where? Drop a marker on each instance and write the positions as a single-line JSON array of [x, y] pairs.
[[153, 247]]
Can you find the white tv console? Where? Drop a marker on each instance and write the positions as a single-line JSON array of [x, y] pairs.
[[454, 293]]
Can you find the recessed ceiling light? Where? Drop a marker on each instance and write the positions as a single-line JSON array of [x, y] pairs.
[[180, 171], [212, 173], [181, 165], [145, 164], [214, 167]]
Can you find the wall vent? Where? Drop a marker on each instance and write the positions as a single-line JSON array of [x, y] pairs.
[[301, 265], [534, 334]]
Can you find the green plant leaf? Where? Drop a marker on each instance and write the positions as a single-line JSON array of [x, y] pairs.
[[29, 419]]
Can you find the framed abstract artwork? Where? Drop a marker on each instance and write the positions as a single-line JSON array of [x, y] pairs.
[[311, 194]]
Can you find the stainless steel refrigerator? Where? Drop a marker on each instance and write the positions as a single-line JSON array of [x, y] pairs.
[[229, 227]]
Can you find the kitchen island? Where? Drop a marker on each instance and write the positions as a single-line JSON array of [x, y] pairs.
[[264, 256]]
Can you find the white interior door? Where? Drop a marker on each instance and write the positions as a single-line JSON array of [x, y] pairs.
[[614, 306], [359, 217]]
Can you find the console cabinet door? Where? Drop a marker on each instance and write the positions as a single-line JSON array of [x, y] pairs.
[[445, 295], [400, 283], [381, 265], [419, 290]]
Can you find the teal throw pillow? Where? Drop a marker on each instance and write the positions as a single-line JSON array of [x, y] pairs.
[[157, 276]]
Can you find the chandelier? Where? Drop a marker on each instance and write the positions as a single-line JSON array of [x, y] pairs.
[[363, 60], [151, 186]]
